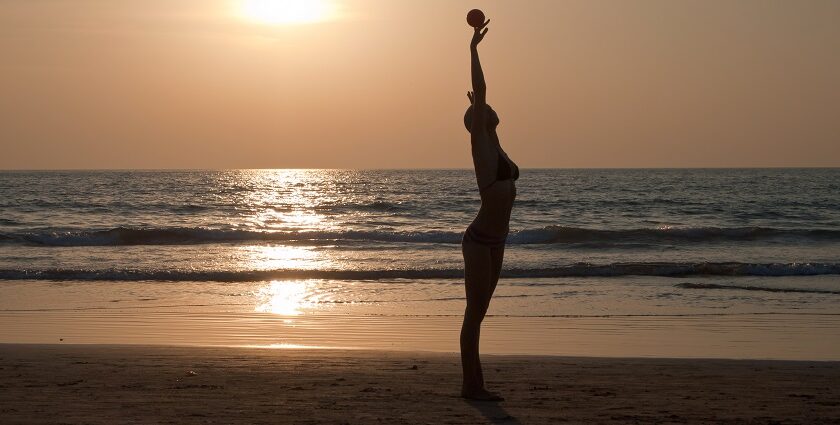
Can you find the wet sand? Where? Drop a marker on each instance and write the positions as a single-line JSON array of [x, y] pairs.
[[154, 384]]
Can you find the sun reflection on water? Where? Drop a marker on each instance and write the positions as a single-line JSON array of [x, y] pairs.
[[295, 215], [280, 257], [286, 200], [285, 298]]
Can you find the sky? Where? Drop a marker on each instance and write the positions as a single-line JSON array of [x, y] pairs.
[[382, 84]]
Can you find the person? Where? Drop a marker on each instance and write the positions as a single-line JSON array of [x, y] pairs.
[[483, 245]]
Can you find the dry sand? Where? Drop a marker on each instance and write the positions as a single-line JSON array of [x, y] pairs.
[[185, 385]]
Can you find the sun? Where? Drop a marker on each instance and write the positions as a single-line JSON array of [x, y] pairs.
[[284, 12]]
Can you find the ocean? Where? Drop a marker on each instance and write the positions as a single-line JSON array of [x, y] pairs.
[[384, 245]]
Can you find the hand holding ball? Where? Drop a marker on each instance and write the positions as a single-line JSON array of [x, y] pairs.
[[475, 18]]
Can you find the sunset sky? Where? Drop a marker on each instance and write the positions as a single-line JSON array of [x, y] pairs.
[[382, 83]]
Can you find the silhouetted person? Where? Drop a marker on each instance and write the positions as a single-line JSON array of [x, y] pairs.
[[483, 245]]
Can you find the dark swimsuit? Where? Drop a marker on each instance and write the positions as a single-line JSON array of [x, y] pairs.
[[503, 172], [490, 241]]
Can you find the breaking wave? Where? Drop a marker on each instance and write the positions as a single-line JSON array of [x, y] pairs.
[[580, 237], [572, 270]]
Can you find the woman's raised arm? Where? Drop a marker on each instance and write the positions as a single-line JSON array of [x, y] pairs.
[[479, 95], [484, 159]]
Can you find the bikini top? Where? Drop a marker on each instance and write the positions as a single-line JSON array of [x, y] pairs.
[[504, 170]]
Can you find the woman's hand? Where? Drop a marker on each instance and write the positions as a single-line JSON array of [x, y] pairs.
[[478, 35]]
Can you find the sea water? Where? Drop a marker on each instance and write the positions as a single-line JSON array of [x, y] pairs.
[[385, 245]]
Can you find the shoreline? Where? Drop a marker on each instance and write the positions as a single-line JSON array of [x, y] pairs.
[[403, 351], [364, 351], [143, 383], [758, 336]]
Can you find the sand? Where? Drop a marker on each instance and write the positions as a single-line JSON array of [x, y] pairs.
[[196, 385]]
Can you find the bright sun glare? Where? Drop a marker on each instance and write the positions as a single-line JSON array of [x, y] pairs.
[[285, 298], [278, 12]]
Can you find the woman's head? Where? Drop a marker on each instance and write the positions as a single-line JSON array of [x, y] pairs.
[[492, 118]]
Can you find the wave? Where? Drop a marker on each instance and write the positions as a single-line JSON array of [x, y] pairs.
[[689, 285], [576, 237], [562, 234], [374, 206], [122, 236], [573, 270]]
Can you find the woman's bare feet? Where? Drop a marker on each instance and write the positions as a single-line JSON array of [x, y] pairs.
[[481, 395]]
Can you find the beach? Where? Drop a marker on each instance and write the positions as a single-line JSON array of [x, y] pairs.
[[103, 384]]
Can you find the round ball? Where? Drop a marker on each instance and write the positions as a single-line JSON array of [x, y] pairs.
[[475, 18]]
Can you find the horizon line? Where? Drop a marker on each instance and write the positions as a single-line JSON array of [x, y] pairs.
[[419, 168]]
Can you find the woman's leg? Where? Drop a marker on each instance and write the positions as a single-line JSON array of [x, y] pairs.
[[497, 256], [478, 273]]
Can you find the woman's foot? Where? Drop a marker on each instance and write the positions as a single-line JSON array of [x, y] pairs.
[[481, 395]]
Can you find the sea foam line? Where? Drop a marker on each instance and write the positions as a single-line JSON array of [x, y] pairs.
[[572, 270], [122, 236]]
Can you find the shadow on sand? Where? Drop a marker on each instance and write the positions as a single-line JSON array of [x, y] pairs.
[[494, 413]]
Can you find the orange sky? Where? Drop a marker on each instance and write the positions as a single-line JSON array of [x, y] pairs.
[[193, 84]]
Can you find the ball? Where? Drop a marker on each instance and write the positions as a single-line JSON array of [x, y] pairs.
[[475, 18]]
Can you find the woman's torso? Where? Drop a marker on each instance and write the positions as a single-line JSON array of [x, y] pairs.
[[497, 198], [496, 205]]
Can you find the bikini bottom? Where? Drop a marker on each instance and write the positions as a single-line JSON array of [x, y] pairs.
[[474, 235]]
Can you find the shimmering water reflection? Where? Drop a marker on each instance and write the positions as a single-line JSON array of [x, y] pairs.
[[280, 257], [286, 298]]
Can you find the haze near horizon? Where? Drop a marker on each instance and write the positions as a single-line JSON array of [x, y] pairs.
[[382, 84]]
